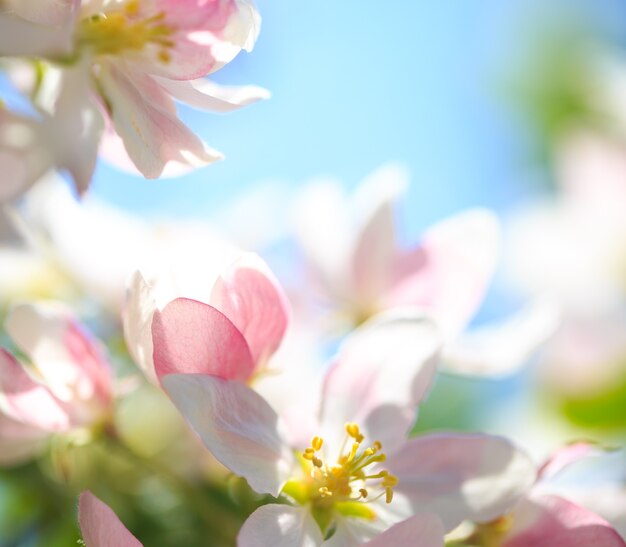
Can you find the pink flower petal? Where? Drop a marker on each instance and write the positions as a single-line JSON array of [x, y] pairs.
[[423, 530], [237, 425], [551, 521], [457, 477], [249, 295], [450, 271], [24, 400], [280, 526], [144, 116], [100, 526], [71, 362], [382, 372], [191, 337]]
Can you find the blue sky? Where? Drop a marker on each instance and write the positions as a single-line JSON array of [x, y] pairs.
[[355, 85]]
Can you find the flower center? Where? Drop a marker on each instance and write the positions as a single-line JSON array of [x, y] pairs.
[[346, 484], [115, 32]]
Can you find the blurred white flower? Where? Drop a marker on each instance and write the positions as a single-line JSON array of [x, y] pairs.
[[358, 268]]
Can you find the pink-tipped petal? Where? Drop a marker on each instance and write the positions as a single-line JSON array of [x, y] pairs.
[[100, 526], [375, 243], [206, 95], [551, 521], [382, 372], [191, 337], [24, 400], [249, 295], [144, 116], [458, 477], [450, 271], [280, 526], [422, 530], [237, 425]]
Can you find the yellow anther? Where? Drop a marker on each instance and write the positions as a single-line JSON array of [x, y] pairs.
[[132, 7], [389, 480], [164, 56], [378, 446], [308, 455], [368, 451], [352, 429], [388, 495], [317, 443]]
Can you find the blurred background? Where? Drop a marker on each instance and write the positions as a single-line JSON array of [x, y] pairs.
[[476, 99], [517, 106]]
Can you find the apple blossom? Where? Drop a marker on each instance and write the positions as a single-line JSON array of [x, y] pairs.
[[357, 475], [233, 335], [360, 269], [138, 56], [67, 386], [543, 519]]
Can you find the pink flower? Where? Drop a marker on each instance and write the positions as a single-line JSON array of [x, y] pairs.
[[361, 269], [67, 386], [232, 336], [100, 526], [138, 56], [543, 519], [346, 469]]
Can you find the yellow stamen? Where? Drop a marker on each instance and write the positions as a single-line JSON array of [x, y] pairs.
[[117, 32], [317, 443]]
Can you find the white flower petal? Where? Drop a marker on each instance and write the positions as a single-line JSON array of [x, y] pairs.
[[422, 530], [280, 526], [207, 95], [382, 372], [475, 477], [502, 348], [236, 425]]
